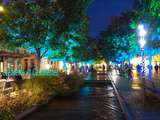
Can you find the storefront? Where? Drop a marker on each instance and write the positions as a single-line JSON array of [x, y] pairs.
[[13, 61]]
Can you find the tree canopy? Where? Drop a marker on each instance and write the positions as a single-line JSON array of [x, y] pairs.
[[118, 38], [48, 25]]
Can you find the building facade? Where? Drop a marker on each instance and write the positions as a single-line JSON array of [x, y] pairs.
[[14, 61]]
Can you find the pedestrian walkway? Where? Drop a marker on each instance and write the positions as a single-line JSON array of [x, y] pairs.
[[91, 103], [141, 105], [155, 78]]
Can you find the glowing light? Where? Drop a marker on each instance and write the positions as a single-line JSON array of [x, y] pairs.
[[140, 27], [114, 72], [135, 60], [88, 64], [1, 9], [114, 76], [61, 65], [136, 85], [142, 32], [79, 64], [142, 42], [48, 66], [1, 65], [68, 68]]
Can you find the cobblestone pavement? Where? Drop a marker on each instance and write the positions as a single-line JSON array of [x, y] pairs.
[[92, 103]]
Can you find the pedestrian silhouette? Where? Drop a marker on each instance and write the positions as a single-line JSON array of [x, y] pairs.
[[156, 68]]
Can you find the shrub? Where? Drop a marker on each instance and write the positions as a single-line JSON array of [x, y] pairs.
[[36, 90], [40, 87], [6, 115], [6, 112]]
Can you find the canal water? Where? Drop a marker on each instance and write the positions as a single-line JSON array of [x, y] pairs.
[[91, 103]]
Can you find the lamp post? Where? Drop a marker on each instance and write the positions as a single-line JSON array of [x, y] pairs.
[[2, 58], [1, 8], [1, 12], [142, 34]]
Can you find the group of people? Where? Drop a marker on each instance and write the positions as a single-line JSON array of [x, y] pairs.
[[156, 68], [127, 71], [84, 69], [91, 71], [32, 69]]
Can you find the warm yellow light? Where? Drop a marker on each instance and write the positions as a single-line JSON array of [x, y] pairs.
[[61, 64], [1, 9], [48, 66]]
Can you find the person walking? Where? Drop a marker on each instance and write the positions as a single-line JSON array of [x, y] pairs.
[[138, 67], [93, 73], [103, 68], [32, 68], [156, 68], [129, 72], [18, 80]]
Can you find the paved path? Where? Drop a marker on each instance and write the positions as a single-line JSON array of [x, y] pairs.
[[92, 103], [142, 106]]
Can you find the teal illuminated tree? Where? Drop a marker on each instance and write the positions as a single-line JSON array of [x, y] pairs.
[[4, 41], [30, 25], [118, 42], [147, 12], [72, 27]]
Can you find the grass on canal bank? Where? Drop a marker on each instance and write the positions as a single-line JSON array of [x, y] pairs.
[[37, 90]]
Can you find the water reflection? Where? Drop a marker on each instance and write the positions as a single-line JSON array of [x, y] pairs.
[[92, 103]]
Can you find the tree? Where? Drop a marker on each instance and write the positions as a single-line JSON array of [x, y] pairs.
[[118, 39], [147, 12], [31, 25], [72, 27]]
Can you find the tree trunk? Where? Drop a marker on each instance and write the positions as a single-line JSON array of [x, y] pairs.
[[64, 66], [150, 66], [122, 64], [38, 59], [129, 59], [38, 64], [76, 66]]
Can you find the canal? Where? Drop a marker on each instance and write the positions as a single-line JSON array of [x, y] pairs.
[[91, 103]]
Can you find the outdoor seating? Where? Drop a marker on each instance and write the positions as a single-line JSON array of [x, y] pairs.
[[7, 86], [2, 84]]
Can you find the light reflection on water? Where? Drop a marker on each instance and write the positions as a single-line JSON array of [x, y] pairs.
[[94, 102], [86, 90]]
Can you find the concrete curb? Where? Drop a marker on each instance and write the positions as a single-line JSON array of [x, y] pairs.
[[25, 113], [123, 105], [33, 109]]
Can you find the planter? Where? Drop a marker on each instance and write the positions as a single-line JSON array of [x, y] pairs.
[[25, 113], [33, 109]]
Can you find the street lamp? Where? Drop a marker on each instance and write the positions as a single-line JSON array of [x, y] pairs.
[[1, 8], [142, 34], [1, 12]]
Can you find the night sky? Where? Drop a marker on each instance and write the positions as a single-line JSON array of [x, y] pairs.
[[101, 12]]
